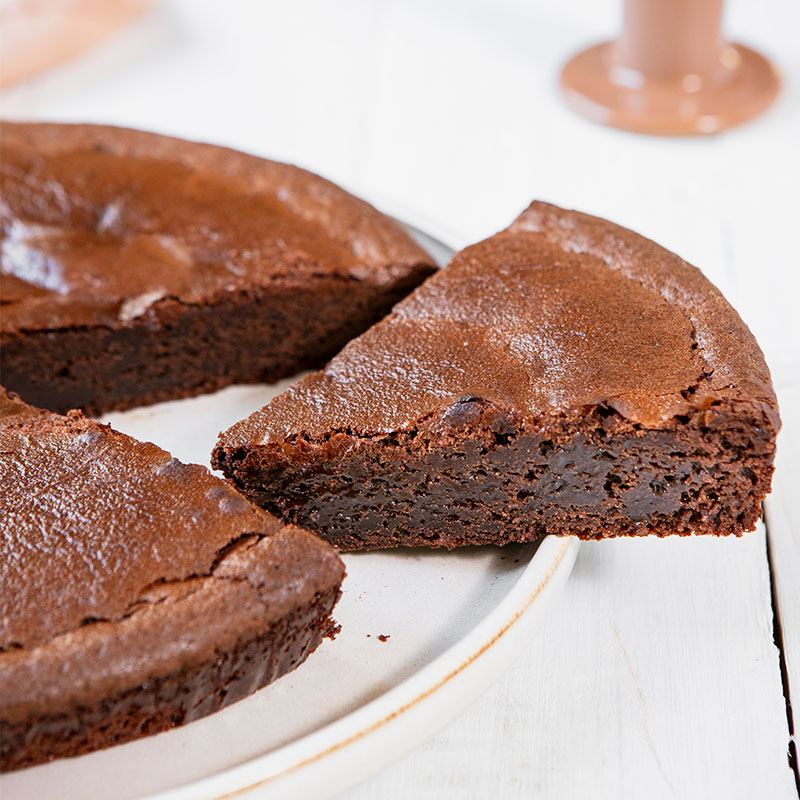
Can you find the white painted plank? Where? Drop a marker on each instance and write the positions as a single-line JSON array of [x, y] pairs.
[[783, 519], [656, 676]]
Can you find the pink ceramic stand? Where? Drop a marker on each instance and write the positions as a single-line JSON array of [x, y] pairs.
[[670, 72]]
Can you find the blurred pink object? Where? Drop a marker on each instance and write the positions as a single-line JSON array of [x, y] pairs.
[[36, 35]]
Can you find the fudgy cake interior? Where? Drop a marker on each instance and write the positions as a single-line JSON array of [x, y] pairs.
[[136, 592], [565, 376], [138, 268], [485, 475]]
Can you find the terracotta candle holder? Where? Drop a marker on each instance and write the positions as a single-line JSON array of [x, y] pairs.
[[670, 72]]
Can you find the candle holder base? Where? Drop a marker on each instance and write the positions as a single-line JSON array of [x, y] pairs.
[[597, 86]]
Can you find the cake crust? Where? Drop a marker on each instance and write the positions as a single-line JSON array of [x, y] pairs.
[[138, 592], [564, 376], [138, 267]]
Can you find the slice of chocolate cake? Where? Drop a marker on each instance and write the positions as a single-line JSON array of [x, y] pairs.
[[565, 376], [136, 592], [138, 268]]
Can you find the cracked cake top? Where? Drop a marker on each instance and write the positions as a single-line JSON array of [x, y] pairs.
[[100, 531], [98, 223], [558, 312]]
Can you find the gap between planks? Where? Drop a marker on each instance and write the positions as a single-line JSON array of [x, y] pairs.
[[782, 521], [777, 635]]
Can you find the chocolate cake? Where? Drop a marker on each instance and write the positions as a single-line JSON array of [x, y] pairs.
[[136, 592], [138, 268], [565, 376]]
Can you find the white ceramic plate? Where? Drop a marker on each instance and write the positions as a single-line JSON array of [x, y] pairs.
[[423, 634]]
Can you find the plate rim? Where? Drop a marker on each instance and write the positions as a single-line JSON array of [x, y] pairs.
[[554, 556]]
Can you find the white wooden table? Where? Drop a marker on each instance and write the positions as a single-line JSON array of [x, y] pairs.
[[661, 671]]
